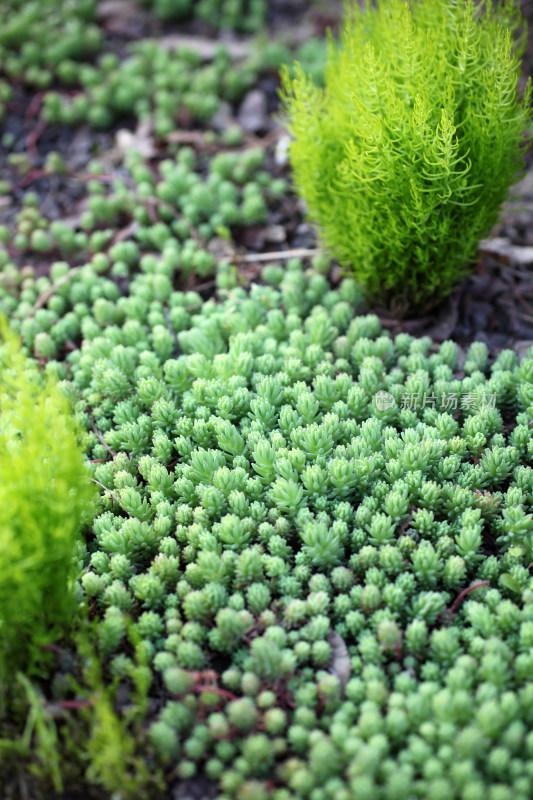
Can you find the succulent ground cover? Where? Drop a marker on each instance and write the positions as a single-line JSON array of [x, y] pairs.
[[308, 571]]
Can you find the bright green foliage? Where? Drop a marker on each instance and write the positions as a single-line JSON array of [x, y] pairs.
[[406, 156], [45, 496]]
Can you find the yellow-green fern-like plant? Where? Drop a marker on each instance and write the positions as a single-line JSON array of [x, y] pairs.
[[406, 155], [45, 495]]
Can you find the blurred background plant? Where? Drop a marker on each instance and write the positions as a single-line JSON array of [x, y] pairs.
[[45, 498]]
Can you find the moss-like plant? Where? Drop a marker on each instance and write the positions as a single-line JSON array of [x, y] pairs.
[[405, 157], [45, 494]]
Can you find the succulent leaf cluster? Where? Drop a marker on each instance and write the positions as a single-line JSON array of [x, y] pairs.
[[37, 37], [176, 215], [257, 501], [56, 47]]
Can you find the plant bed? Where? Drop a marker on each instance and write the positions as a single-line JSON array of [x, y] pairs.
[[307, 574]]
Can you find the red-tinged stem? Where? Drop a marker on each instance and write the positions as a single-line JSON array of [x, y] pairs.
[[34, 106], [463, 594], [53, 648], [31, 139], [76, 704], [33, 175], [216, 690]]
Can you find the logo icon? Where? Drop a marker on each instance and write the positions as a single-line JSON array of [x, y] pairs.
[[384, 400]]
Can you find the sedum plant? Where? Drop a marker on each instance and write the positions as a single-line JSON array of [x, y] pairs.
[[246, 16], [45, 495], [151, 84], [263, 511], [36, 37], [308, 574], [406, 155]]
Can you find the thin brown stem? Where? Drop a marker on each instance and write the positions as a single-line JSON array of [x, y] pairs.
[[459, 599], [50, 292], [111, 495], [100, 437]]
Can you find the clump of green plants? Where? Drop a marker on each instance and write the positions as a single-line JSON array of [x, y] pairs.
[[152, 84], [175, 214], [245, 16], [406, 156], [162, 86], [72, 738], [281, 480], [45, 497], [38, 37]]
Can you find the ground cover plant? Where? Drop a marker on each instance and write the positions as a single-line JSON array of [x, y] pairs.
[[37, 38], [53, 47], [406, 155], [259, 499], [153, 85], [247, 16], [307, 570]]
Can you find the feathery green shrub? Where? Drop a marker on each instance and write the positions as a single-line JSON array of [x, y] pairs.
[[406, 156], [45, 495]]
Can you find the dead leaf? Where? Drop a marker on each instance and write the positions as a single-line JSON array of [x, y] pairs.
[[141, 140], [340, 658], [116, 8], [276, 234], [506, 251], [220, 249], [252, 115]]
